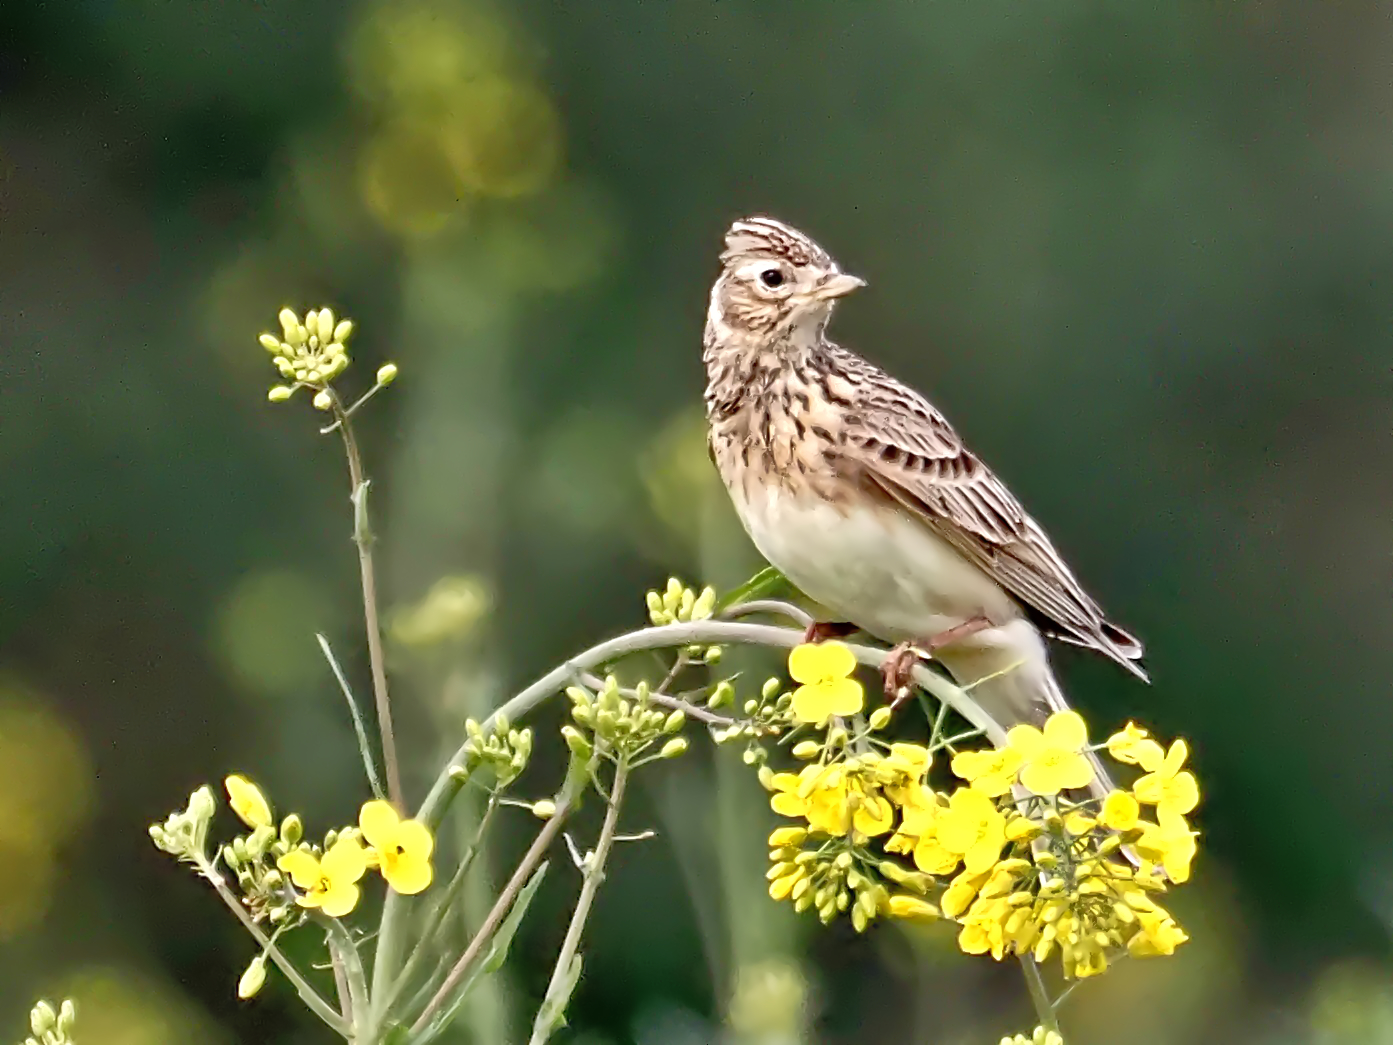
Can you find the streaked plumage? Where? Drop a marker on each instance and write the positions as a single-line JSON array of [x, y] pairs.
[[859, 490]]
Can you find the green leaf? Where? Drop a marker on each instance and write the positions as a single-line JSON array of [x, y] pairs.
[[551, 1017], [767, 582], [491, 961]]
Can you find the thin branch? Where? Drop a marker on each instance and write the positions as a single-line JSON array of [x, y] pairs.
[[362, 537], [340, 982], [311, 997], [706, 632], [1039, 995], [342, 948], [594, 871], [773, 607], [500, 909], [364, 749]]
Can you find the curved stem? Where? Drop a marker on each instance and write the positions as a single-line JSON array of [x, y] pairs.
[[706, 632]]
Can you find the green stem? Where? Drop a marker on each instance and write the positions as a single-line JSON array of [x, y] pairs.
[[362, 537], [343, 945], [500, 909], [441, 910], [707, 632], [1039, 996], [553, 1004], [311, 997]]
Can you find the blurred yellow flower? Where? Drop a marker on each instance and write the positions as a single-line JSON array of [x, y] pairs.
[[330, 882], [1053, 761], [971, 829], [827, 689], [1120, 811], [1133, 746], [1169, 788], [247, 801], [990, 772], [403, 847], [1169, 844]]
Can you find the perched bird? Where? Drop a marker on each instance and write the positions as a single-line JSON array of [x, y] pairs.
[[863, 495]]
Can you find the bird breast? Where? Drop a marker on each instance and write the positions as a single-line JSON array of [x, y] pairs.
[[871, 564]]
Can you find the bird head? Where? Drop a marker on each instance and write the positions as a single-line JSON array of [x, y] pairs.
[[775, 281]]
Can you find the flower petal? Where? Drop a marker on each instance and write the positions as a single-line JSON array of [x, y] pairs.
[[302, 868], [1028, 740], [820, 662], [415, 839], [379, 821], [810, 705], [345, 862], [247, 801], [844, 696], [1073, 772], [1066, 729], [340, 899], [408, 875]]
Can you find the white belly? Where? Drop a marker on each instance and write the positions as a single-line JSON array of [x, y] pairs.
[[877, 568]]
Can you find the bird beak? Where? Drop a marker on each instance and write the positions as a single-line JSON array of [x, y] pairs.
[[838, 286]]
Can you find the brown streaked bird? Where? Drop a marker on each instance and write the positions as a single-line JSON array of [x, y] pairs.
[[863, 495]]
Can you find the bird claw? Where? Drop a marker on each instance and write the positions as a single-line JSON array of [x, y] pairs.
[[898, 668]]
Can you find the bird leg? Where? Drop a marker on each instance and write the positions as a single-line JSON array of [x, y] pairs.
[[822, 630], [898, 668]]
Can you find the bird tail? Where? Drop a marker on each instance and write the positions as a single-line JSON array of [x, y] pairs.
[[1008, 672]]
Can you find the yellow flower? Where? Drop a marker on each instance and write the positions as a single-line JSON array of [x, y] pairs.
[[1169, 788], [1053, 761], [900, 772], [960, 893], [1158, 934], [403, 847], [990, 772], [330, 882], [827, 688], [971, 829], [873, 813], [1171, 844], [247, 801], [1120, 811], [783, 836], [817, 794], [911, 907], [1133, 746]]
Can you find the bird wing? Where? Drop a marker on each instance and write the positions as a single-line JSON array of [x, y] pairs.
[[899, 445]]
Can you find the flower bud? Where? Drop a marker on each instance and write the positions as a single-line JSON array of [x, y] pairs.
[[771, 686], [292, 830], [386, 374], [280, 393], [673, 747], [253, 979], [806, 749], [575, 740], [544, 809], [724, 693], [712, 655], [323, 400], [675, 721], [67, 1016], [341, 332], [270, 342], [880, 718], [42, 1018]]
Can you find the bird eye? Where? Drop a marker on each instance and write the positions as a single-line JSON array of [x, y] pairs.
[[772, 277]]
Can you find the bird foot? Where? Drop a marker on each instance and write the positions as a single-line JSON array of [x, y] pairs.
[[898, 668], [822, 630]]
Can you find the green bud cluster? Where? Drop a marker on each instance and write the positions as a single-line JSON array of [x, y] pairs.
[[628, 725], [679, 604], [768, 716], [830, 880], [52, 1026], [309, 352], [185, 834], [252, 858], [502, 751]]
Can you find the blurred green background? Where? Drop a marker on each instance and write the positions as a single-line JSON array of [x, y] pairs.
[[1140, 253]]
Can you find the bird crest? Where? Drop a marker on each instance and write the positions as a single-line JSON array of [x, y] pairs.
[[761, 235]]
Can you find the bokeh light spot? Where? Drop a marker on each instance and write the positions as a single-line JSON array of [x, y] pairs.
[[264, 632]]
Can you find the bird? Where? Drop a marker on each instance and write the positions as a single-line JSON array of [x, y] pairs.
[[860, 492]]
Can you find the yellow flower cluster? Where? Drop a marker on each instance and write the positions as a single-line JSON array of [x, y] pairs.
[[1018, 853], [325, 877], [1040, 1036], [679, 604]]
